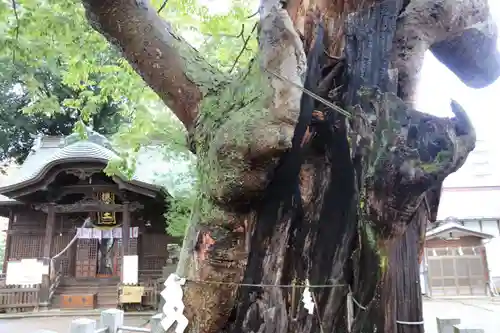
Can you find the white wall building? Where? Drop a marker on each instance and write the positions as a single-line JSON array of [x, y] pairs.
[[471, 196]]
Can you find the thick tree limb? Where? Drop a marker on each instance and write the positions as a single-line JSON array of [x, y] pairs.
[[472, 55], [168, 64], [461, 34], [243, 130]]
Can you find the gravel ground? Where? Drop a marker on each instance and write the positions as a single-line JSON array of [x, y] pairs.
[[52, 324], [483, 314]]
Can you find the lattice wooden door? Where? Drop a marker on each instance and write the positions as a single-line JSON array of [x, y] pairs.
[[154, 254], [86, 258], [59, 244], [118, 256], [456, 272], [26, 247]]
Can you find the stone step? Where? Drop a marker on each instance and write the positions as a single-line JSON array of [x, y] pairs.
[[103, 301], [85, 290]]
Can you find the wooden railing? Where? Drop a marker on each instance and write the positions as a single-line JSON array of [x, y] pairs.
[[150, 296], [19, 298], [152, 289], [26, 298]]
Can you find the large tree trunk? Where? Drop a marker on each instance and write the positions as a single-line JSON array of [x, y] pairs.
[[296, 191]]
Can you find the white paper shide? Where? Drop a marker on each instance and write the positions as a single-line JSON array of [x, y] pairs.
[[174, 306], [307, 299]]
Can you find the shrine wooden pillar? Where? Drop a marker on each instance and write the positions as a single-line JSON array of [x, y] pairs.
[[126, 230], [127, 276], [44, 292], [8, 240], [49, 231]]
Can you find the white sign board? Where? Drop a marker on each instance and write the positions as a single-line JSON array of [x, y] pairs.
[[130, 270], [25, 272]]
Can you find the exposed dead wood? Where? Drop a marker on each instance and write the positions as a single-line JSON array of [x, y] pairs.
[[369, 38], [333, 14]]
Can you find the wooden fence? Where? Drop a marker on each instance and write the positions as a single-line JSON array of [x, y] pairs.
[[19, 298]]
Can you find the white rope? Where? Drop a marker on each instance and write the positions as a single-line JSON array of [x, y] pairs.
[[410, 322], [87, 220], [357, 303]]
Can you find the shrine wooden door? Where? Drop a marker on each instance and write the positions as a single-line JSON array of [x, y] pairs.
[[86, 258]]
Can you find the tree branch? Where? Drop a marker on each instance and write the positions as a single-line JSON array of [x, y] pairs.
[[168, 64], [462, 35]]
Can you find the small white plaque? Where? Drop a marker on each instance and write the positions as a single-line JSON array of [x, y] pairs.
[[130, 269]]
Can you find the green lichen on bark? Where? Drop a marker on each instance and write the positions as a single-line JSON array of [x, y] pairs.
[[229, 133], [433, 148], [374, 242], [208, 78]]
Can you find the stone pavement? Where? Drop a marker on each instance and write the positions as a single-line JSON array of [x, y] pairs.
[[56, 324], [482, 313]]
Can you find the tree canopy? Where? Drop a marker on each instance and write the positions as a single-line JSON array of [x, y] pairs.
[[57, 70], [22, 120], [55, 37], [51, 41]]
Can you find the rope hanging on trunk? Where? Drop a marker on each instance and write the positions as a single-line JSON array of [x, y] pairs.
[[363, 308]]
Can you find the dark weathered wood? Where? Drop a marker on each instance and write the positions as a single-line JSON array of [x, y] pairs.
[[369, 38], [88, 190], [43, 184], [7, 242], [44, 292], [406, 275], [15, 297], [126, 229], [49, 230], [90, 207]]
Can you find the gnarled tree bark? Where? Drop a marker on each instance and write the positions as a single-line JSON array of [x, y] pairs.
[[353, 213]]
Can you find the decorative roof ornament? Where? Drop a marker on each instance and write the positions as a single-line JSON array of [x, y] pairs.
[[88, 134]]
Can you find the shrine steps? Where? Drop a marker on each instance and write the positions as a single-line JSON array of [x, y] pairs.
[[106, 290]]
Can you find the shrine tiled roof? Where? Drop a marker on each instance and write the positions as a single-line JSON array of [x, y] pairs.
[[6, 200], [446, 228], [51, 151]]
